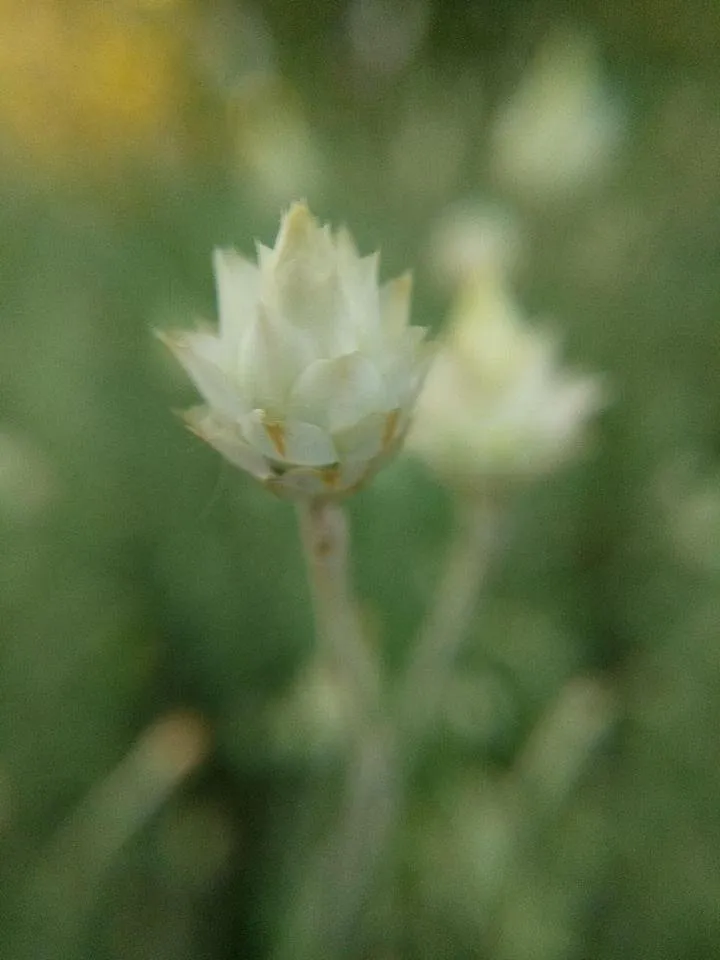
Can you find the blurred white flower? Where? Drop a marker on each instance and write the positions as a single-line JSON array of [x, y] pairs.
[[312, 376], [471, 237], [497, 404], [559, 129]]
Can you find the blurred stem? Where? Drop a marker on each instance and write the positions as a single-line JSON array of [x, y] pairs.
[[326, 543], [329, 913], [74, 865], [448, 619], [540, 784]]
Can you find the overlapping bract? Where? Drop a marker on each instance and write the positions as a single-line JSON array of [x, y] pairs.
[[310, 380]]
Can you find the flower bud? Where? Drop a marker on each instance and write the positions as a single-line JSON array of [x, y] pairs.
[[310, 380], [497, 405]]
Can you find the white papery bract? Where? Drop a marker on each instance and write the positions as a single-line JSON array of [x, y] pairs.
[[497, 405], [310, 380]]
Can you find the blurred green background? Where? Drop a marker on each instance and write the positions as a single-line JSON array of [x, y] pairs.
[[168, 744]]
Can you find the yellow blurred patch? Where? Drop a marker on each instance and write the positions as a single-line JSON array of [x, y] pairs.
[[87, 82]]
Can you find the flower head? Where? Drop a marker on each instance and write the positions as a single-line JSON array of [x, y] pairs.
[[310, 380], [497, 404]]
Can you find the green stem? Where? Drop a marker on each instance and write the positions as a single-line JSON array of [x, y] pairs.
[[433, 660], [326, 543], [337, 883]]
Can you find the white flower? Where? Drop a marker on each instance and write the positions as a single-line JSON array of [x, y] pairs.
[[560, 129], [496, 403], [311, 378], [472, 237]]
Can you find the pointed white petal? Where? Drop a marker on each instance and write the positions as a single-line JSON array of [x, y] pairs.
[[404, 368], [270, 357], [346, 250], [307, 444], [395, 303], [366, 312], [238, 291], [299, 233], [368, 268], [265, 257], [364, 440], [303, 285], [337, 393], [202, 356], [293, 441], [359, 292], [225, 437], [348, 260]]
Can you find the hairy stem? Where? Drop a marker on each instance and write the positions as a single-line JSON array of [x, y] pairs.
[[326, 543], [338, 883]]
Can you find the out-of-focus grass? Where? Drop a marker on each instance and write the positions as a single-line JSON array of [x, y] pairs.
[[140, 576]]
